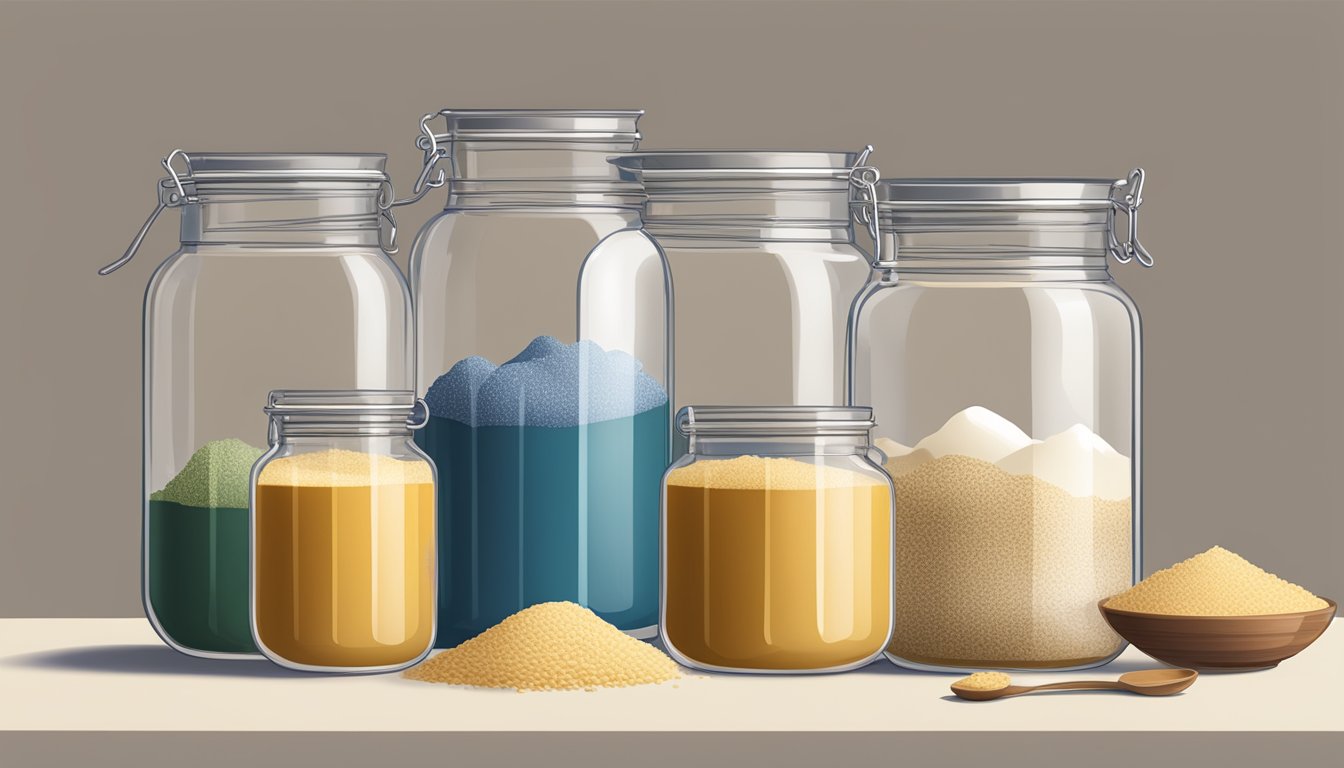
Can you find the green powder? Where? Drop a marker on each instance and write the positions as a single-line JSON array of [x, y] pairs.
[[218, 474]]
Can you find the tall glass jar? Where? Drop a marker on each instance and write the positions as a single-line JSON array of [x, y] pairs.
[[1002, 364], [543, 317], [342, 543], [776, 541], [764, 260], [281, 279]]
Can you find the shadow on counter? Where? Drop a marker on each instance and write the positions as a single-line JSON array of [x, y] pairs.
[[151, 660]]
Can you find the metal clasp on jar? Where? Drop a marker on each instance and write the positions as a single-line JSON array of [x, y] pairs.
[[171, 194], [1131, 249], [863, 178]]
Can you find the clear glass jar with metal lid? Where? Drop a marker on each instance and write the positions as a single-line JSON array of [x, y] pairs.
[[543, 315], [1002, 364], [776, 541], [342, 533], [281, 279], [763, 257]]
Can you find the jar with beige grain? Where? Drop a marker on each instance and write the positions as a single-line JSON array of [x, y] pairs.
[[1002, 363]]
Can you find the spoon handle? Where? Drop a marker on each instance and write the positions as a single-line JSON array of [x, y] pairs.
[[1078, 685]]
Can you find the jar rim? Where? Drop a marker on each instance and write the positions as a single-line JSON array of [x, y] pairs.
[[353, 408], [775, 420], [1044, 193], [284, 166], [605, 125], [736, 163]]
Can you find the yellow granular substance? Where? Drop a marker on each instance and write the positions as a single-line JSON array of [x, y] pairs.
[[339, 468], [766, 473], [1215, 583], [550, 647], [984, 681]]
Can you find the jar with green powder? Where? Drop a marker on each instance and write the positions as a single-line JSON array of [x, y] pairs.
[[282, 279], [196, 551]]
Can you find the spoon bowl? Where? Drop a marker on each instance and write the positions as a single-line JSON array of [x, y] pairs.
[[1146, 682]]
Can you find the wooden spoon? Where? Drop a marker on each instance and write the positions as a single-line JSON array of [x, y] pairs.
[[1149, 682]]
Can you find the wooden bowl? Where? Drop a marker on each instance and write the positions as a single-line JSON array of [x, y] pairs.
[[1220, 643]]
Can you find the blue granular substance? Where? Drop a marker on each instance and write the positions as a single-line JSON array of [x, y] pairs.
[[542, 346], [453, 395], [548, 384]]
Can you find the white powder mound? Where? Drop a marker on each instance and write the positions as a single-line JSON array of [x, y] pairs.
[[976, 432], [1078, 461]]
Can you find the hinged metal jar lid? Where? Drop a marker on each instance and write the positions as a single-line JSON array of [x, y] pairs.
[[202, 175], [714, 165], [775, 421], [597, 125], [882, 204], [618, 128], [365, 412]]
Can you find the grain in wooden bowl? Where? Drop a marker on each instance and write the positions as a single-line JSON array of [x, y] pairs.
[[1218, 612]]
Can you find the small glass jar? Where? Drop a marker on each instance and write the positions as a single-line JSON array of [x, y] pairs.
[[282, 277], [1002, 364], [343, 542], [776, 541]]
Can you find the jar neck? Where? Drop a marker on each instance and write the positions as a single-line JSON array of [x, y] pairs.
[[286, 213], [539, 174], [971, 245], [374, 443], [745, 209], [793, 445]]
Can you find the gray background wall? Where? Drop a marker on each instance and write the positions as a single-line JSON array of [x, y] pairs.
[[1235, 109]]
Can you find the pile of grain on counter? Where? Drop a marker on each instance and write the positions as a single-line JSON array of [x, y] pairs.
[[1215, 583], [550, 647]]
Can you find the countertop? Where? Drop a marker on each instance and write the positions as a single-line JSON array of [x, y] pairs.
[[113, 675]]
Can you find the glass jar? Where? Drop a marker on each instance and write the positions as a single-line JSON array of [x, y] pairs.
[[281, 278], [1002, 365], [776, 541], [342, 545], [764, 260], [549, 421]]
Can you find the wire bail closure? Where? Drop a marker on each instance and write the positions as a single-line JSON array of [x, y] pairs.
[[171, 194], [428, 143], [863, 178], [1131, 249], [179, 189]]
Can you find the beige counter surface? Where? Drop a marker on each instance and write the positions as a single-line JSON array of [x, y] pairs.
[[113, 674]]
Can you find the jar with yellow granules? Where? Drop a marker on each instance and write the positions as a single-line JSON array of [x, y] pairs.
[[343, 542], [776, 541]]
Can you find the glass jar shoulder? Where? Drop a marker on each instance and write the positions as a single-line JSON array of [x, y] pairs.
[[271, 266], [546, 229], [888, 292], [826, 250]]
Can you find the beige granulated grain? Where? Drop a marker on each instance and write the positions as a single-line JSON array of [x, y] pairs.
[[984, 681], [1215, 583], [1002, 570], [549, 647]]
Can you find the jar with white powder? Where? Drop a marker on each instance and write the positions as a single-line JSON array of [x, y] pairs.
[[1003, 367]]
